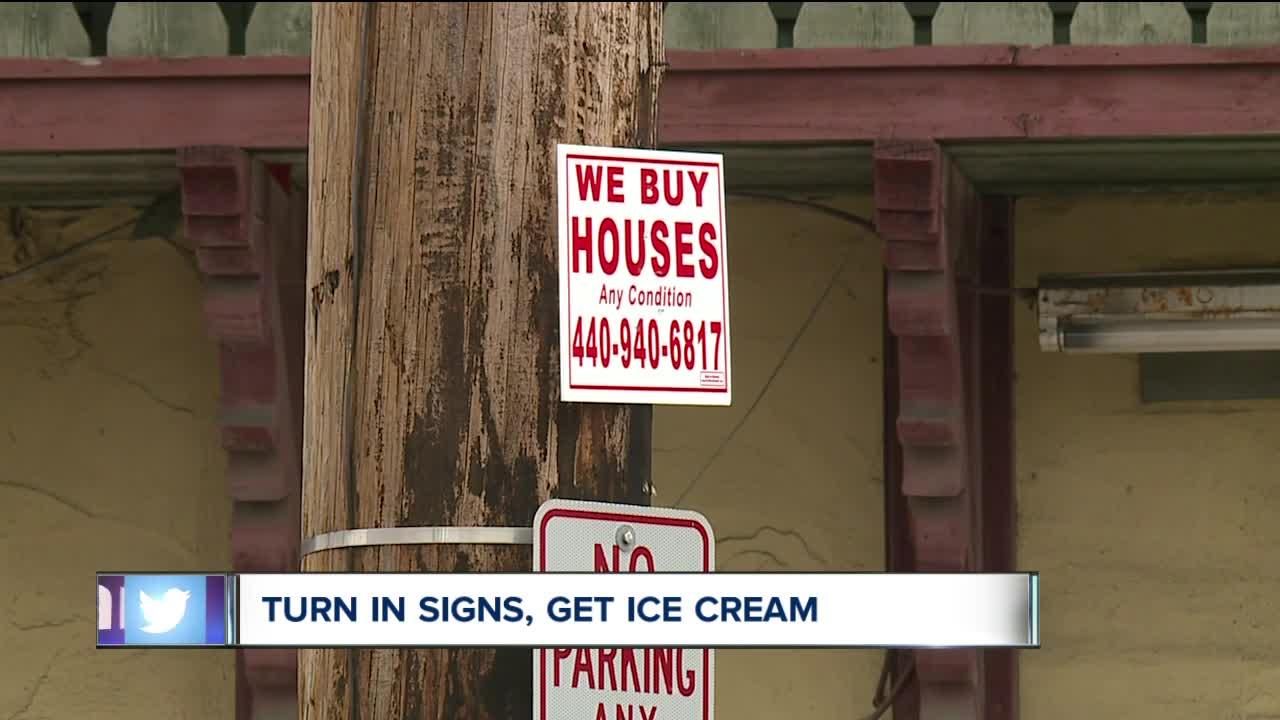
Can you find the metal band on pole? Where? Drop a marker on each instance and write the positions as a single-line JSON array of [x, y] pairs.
[[370, 537]]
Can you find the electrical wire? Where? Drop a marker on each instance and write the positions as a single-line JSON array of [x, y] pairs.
[[858, 220], [866, 224], [67, 251], [886, 696]]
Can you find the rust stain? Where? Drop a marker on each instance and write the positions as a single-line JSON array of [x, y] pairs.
[[1096, 302], [1225, 312], [1156, 300], [1178, 302]]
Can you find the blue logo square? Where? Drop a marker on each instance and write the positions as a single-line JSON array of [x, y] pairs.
[[165, 610]]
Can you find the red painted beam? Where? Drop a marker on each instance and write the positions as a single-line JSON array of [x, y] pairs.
[[899, 549], [992, 370], [154, 104], [968, 93], [708, 97]]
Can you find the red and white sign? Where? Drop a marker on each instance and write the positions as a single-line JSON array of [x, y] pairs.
[[644, 292], [622, 683]]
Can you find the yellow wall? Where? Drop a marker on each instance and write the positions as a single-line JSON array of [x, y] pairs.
[[798, 486], [109, 460], [1155, 527]]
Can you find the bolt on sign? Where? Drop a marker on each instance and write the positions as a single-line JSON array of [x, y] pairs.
[[644, 292], [622, 683]]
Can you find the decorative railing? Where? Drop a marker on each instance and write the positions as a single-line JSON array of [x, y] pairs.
[[889, 24], [163, 29], [81, 29]]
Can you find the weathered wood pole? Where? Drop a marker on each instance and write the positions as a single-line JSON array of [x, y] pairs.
[[449, 245]]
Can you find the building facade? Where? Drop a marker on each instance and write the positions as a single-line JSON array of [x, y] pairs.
[[148, 393]]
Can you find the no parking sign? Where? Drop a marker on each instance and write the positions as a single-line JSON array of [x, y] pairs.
[[622, 683]]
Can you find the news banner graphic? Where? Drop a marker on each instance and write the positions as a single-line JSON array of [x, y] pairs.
[[622, 614], [593, 610], [615, 576], [644, 291]]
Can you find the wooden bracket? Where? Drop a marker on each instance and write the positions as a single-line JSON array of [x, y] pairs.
[[952, 414], [249, 239]]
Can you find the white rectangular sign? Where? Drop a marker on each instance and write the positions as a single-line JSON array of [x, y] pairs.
[[644, 291], [576, 536], [636, 610]]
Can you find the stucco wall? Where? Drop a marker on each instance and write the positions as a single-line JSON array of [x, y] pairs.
[[109, 460], [1154, 525], [790, 475]]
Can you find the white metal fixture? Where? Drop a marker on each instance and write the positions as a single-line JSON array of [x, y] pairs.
[[1161, 312]]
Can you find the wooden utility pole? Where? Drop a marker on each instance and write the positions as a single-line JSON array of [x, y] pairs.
[[432, 192]]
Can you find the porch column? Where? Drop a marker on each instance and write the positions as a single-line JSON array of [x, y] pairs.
[[248, 233], [949, 413]]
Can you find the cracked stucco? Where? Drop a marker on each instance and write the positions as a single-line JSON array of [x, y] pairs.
[[108, 435], [790, 475]]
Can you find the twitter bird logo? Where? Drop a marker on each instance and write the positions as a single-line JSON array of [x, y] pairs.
[[164, 614], [167, 610]]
